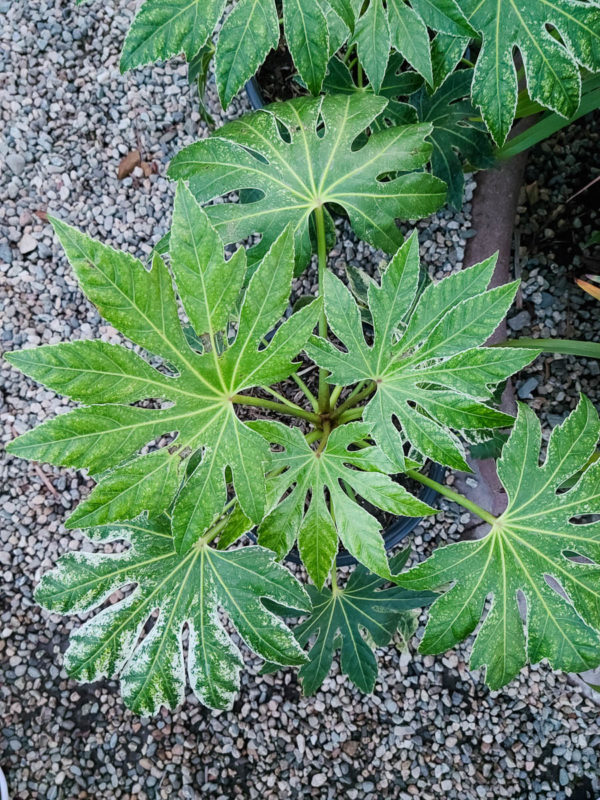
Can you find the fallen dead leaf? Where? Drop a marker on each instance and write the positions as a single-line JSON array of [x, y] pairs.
[[128, 163]]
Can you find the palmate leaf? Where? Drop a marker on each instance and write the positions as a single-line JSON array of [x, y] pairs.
[[187, 589], [427, 365], [314, 30], [332, 478], [457, 135], [196, 393], [308, 165], [542, 547], [553, 37], [338, 619], [396, 24]]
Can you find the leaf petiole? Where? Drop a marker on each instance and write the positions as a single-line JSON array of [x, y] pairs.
[[216, 529], [360, 393], [335, 395], [322, 261], [452, 495], [280, 397], [307, 392], [282, 408]]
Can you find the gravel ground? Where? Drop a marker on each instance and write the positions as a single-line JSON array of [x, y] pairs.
[[431, 727]]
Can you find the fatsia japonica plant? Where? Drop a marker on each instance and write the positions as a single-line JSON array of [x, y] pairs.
[[213, 458], [542, 47]]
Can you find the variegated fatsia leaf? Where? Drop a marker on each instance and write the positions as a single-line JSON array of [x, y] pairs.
[[315, 498], [303, 154], [197, 392], [187, 589], [545, 547], [428, 369], [340, 617], [396, 24], [458, 135], [553, 37], [314, 30]]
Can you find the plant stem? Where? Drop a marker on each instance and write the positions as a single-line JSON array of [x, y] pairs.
[[247, 400], [313, 436], [283, 399], [350, 414], [216, 529], [335, 396], [452, 495], [359, 76], [307, 392], [354, 399], [324, 437], [322, 256]]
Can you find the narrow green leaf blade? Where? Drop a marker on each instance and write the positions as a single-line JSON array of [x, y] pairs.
[[248, 33], [208, 284], [372, 39], [307, 36], [408, 34], [92, 371], [149, 483]]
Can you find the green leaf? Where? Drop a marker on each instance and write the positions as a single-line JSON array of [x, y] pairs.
[[551, 63], [161, 30], [446, 53], [198, 73], [372, 39], [249, 32], [305, 165], [197, 400], [337, 27], [410, 37], [569, 347], [445, 16], [543, 547], [308, 40], [340, 618], [187, 589], [333, 477], [148, 484], [456, 137], [91, 371], [345, 11], [426, 362], [208, 285]]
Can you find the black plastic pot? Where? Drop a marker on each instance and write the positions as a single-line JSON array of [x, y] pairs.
[[254, 94], [398, 531]]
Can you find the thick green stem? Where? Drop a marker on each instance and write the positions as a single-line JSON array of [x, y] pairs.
[[322, 256], [280, 397], [452, 495], [335, 396], [324, 437], [247, 400], [354, 400], [349, 415]]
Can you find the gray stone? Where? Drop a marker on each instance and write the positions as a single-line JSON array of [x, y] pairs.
[[27, 244], [16, 163], [520, 321]]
